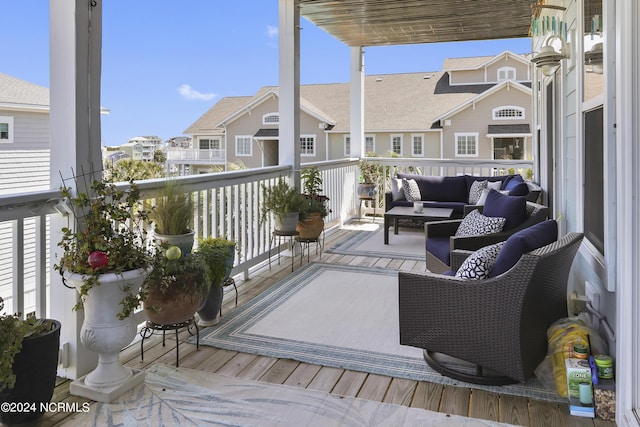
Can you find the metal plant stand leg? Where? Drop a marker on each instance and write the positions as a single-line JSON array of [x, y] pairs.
[[148, 330], [276, 236]]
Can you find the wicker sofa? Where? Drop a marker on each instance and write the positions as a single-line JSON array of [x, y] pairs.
[[441, 242], [453, 191], [496, 325]]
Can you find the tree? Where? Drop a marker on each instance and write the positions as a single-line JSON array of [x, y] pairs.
[[159, 157], [128, 169]]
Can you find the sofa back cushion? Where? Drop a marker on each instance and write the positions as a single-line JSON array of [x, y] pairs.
[[516, 186], [440, 188], [512, 208], [523, 241]]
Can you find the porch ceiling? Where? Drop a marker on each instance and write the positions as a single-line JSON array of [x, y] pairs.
[[394, 22]]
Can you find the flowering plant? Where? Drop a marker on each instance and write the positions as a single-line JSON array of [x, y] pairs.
[[370, 172]]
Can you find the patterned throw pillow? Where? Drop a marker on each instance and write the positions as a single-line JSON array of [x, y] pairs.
[[476, 190], [476, 224], [411, 190], [479, 264]]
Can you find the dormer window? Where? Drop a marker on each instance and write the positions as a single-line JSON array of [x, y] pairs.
[[271, 119], [506, 73], [509, 112]]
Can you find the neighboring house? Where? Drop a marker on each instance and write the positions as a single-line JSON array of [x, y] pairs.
[[24, 167], [141, 147], [477, 107]]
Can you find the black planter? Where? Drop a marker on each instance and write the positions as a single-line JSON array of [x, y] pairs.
[[35, 368]]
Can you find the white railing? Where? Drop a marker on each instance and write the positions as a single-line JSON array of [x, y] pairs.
[[227, 204], [191, 155]]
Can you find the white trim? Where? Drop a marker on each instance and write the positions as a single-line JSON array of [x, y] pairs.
[[396, 135], [271, 114], [511, 73], [457, 135], [373, 148], [509, 107], [413, 151], [10, 129], [314, 139], [250, 138], [346, 140]]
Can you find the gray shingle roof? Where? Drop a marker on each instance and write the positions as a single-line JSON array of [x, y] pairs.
[[17, 91], [509, 129]]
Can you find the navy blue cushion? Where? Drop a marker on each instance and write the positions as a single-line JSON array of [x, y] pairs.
[[519, 189], [440, 248], [448, 273], [440, 188], [511, 181], [526, 240], [512, 208]]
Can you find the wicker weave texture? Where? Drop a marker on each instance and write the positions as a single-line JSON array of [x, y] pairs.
[[498, 323]]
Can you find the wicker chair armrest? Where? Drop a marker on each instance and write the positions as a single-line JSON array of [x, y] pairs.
[[444, 228], [473, 243], [388, 201]]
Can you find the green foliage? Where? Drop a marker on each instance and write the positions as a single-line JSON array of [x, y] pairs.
[[312, 180], [186, 274], [125, 170], [13, 330], [529, 174], [370, 172], [159, 157], [107, 220], [281, 199], [173, 211], [217, 253]]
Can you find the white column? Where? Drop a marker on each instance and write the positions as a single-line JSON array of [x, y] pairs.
[[357, 102], [75, 49], [289, 99]]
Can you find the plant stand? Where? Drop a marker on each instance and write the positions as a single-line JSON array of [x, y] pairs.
[[367, 199], [148, 329], [277, 236], [306, 244]]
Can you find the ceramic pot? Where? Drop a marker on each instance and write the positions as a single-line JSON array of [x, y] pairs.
[[311, 227], [212, 305], [172, 307], [35, 367], [367, 190], [102, 332], [287, 223], [183, 241]]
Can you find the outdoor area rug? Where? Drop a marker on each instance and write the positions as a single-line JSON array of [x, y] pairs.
[[408, 243], [337, 316], [173, 396]]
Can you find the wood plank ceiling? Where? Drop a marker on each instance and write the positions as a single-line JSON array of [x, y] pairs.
[[394, 22]]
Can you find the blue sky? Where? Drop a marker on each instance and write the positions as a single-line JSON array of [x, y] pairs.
[[166, 62]]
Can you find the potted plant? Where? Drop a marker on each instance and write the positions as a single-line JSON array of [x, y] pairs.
[[315, 209], [218, 254], [105, 258], [285, 202], [370, 174], [172, 216], [176, 286], [28, 364]]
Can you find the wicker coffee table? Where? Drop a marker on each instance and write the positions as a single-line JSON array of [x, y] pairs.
[[405, 212]]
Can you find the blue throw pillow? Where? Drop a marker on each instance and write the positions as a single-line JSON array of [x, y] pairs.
[[520, 189], [526, 240], [512, 208], [512, 182]]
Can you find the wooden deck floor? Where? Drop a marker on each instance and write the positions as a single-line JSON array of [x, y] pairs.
[[435, 397]]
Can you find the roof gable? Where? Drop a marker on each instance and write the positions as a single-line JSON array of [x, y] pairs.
[[21, 94]]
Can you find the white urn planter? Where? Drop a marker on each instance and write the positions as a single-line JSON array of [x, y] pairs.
[[104, 333]]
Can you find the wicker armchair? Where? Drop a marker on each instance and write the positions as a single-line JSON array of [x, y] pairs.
[[497, 325], [447, 229]]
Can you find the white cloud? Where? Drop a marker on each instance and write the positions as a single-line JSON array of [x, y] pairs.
[[190, 93], [272, 32]]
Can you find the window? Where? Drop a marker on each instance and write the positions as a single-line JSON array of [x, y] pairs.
[[466, 145], [271, 119], [594, 178], [209, 144], [509, 112], [417, 145], [308, 145], [243, 145], [369, 144], [396, 144], [506, 73], [6, 129], [347, 146]]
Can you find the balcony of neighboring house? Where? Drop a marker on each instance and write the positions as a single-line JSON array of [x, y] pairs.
[[208, 156]]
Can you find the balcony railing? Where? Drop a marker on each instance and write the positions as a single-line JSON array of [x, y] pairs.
[[227, 204], [181, 155]]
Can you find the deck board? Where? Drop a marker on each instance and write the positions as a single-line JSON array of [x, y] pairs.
[[417, 394]]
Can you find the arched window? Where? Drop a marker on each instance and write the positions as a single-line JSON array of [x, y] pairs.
[[508, 112], [271, 119]]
